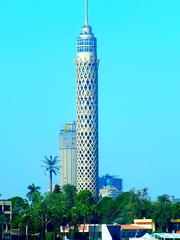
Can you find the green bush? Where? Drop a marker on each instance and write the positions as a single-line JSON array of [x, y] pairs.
[[49, 235]]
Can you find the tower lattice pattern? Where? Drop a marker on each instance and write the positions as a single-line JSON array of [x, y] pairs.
[[87, 123]]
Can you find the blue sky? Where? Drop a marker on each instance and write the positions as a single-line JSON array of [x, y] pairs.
[[139, 85]]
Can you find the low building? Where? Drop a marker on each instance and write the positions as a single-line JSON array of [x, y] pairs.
[[138, 229], [148, 223], [5, 218], [166, 236], [175, 225], [94, 232]]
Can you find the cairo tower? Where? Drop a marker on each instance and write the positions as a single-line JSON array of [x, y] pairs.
[[87, 108]]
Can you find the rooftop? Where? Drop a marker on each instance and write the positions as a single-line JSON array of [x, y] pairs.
[[166, 235]]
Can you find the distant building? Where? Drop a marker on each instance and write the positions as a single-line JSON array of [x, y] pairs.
[[6, 217], [109, 191], [68, 160], [110, 186], [174, 199], [112, 181]]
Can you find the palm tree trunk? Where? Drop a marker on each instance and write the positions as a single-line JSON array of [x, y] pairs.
[[50, 173]]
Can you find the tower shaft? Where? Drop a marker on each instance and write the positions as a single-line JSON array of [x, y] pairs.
[[87, 109]]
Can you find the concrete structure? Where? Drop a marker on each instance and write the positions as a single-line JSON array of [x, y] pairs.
[[138, 229], [94, 232], [174, 199], [175, 226], [110, 186], [145, 222], [109, 191], [109, 180], [68, 161], [87, 108], [6, 217], [164, 236]]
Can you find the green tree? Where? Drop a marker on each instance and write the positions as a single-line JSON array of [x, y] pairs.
[[68, 201], [50, 166], [176, 210], [143, 207], [51, 212], [2, 222], [31, 224], [19, 206], [130, 205], [162, 212], [125, 207], [33, 194], [86, 210], [86, 207], [107, 210], [69, 193], [57, 189]]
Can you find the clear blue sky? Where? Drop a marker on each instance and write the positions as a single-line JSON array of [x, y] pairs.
[[139, 89]]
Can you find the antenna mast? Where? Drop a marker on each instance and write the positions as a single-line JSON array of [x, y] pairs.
[[86, 13]]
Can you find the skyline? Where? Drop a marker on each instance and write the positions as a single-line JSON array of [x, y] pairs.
[[138, 45]]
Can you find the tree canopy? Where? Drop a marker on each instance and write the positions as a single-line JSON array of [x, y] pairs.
[[47, 212]]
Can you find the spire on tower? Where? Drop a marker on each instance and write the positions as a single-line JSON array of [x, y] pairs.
[[86, 13]]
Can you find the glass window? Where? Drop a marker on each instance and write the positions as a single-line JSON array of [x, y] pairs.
[[6, 207]]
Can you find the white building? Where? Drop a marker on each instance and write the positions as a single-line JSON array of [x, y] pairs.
[[109, 191]]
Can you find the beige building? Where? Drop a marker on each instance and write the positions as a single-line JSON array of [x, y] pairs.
[[68, 160]]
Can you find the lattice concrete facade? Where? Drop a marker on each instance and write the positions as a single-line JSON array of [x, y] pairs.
[[87, 111]]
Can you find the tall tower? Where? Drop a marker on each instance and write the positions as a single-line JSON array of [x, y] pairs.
[[87, 108]]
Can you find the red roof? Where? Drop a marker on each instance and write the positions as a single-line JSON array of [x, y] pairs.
[[134, 227]]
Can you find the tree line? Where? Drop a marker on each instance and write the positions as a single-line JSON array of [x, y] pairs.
[[40, 214], [43, 213]]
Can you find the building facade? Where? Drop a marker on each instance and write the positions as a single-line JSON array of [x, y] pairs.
[[68, 161], [110, 186], [5, 219], [87, 108], [109, 191], [109, 180]]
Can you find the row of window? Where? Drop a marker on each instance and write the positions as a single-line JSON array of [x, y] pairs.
[[5, 208], [86, 41], [86, 49]]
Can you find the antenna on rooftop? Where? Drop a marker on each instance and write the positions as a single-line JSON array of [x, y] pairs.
[[86, 13]]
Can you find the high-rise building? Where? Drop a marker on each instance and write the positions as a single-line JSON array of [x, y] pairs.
[[68, 161], [110, 181], [87, 108]]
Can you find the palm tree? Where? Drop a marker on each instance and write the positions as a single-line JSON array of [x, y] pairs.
[[33, 194], [51, 167]]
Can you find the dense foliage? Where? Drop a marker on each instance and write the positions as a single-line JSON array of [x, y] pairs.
[[47, 212]]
